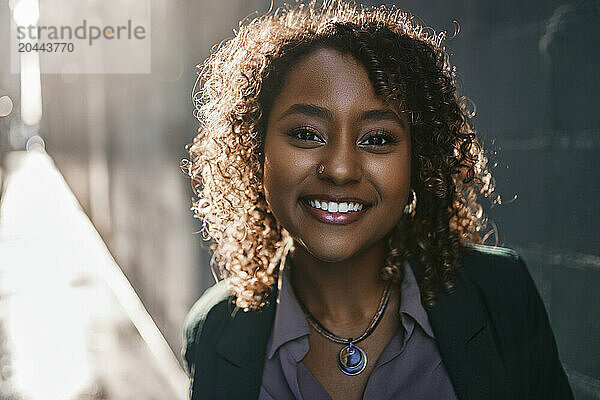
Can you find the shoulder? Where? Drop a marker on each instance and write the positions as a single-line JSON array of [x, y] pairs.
[[215, 297], [503, 281], [499, 273], [491, 255], [518, 317], [487, 264]]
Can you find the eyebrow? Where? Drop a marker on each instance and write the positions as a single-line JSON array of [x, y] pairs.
[[312, 110], [382, 115]]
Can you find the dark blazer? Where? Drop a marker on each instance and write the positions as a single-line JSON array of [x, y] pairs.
[[492, 332]]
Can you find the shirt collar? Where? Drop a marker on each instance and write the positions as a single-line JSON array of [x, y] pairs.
[[410, 300], [290, 322]]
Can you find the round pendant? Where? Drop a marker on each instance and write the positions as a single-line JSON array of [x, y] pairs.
[[352, 360]]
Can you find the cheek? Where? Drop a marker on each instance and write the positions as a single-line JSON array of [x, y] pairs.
[[283, 171], [392, 177], [400, 174], [272, 181]]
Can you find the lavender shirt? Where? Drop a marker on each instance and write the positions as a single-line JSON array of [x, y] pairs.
[[410, 366]]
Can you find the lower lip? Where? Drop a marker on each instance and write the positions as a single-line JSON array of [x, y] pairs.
[[333, 218]]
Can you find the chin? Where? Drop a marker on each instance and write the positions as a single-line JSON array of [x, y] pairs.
[[329, 252]]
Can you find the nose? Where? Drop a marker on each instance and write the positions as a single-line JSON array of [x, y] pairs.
[[342, 163]]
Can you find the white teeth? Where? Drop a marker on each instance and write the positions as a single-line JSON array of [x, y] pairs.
[[335, 207], [332, 207]]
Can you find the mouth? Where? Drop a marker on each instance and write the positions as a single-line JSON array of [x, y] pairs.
[[335, 212]]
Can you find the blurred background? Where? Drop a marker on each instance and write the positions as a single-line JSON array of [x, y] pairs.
[[99, 262]]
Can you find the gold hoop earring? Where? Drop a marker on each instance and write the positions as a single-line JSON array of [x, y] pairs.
[[320, 169], [411, 208]]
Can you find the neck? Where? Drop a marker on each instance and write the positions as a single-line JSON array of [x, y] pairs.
[[340, 294]]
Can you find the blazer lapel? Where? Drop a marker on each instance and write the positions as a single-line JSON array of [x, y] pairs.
[[242, 348], [460, 324]]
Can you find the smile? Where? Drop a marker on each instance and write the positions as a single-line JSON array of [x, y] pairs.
[[333, 212], [335, 207]]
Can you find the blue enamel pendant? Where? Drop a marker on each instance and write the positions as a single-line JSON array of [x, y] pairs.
[[352, 360]]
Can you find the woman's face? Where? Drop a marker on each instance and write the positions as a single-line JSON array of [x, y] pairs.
[[328, 114]]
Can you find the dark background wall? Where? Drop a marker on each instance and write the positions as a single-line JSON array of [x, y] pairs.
[[532, 70], [529, 67]]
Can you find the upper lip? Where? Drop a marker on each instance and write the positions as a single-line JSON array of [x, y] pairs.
[[337, 199]]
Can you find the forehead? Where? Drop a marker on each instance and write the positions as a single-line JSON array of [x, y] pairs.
[[331, 79]]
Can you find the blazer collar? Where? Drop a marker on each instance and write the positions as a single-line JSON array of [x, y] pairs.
[[241, 354], [245, 337], [460, 313], [466, 341]]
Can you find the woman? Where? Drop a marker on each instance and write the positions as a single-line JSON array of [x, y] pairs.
[[337, 173]]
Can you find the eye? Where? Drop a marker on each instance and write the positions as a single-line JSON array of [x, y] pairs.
[[305, 134], [379, 139]]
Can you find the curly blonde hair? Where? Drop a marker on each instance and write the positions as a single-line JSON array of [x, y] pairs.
[[407, 65]]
